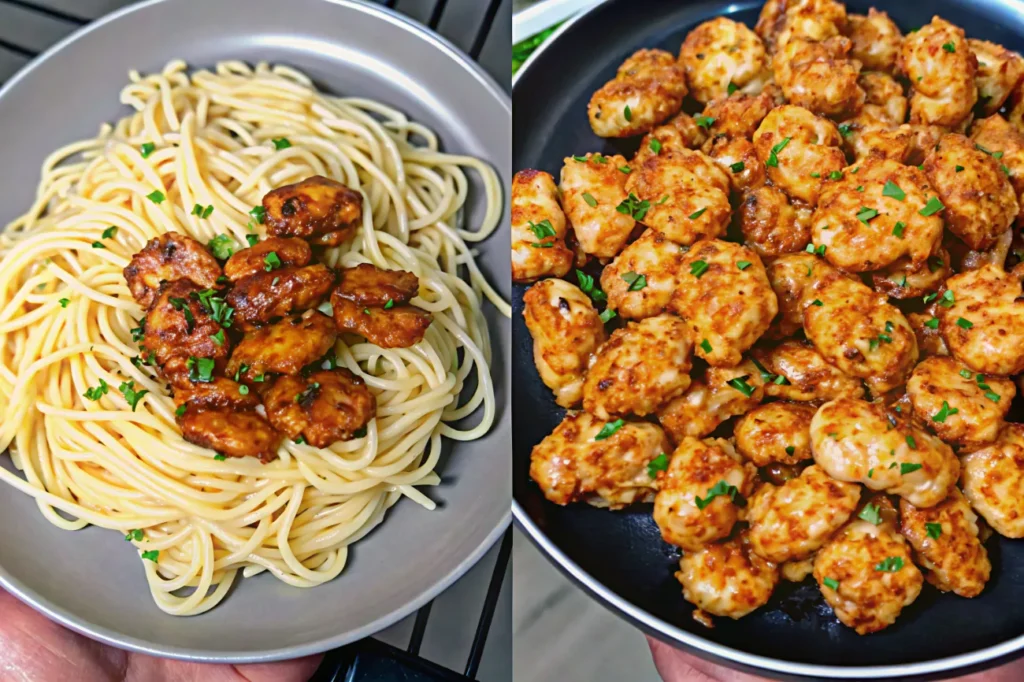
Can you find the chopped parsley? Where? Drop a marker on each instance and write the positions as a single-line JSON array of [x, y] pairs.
[[698, 213], [743, 264], [655, 146], [893, 191], [932, 323], [98, 245], [737, 167], [831, 583], [964, 323], [871, 513], [705, 346], [659, 463], [132, 395], [200, 370], [731, 88], [64, 302], [259, 214], [705, 121], [609, 429], [625, 169], [156, 196], [110, 232], [698, 268], [591, 201], [932, 207], [308, 393], [281, 143], [911, 442], [151, 555], [636, 282], [271, 261], [906, 468], [773, 159], [96, 392], [898, 229], [948, 299], [949, 47], [182, 305], [790, 449], [817, 302], [587, 286], [218, 338], [222, 246], [243, 389], [835, 175], [252, 239], [889, 564], [815, 174], [607, 315], [720, 489], [181, 409], [632, 206], [627, 113], [146, 149], [966, 374], [219, 457], [542, 230], [845, 129], [958, 168], [866, 214], [741, 385], [934, 530], [134, 534]]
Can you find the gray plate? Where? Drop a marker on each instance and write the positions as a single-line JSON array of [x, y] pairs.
[[91, 580]]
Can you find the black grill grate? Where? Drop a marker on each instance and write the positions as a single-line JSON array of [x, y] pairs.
[[486, 41]]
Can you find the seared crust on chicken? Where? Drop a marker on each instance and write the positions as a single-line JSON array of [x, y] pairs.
[[720, 56], [259, 299], [777, 432], [179, 328], [806, 375], [993, 482], [285, 347], [649, 85], [876, 40], [772, 224], [999, 72], [940, 66], [659, 261], [982, 319], [799, 149], [820, 76], [724, 392], [234, 433], [592, 190], [318, 209], [325, 407], [264, 256], [168, 258], [539, 228], [366, 284], [726, 578]]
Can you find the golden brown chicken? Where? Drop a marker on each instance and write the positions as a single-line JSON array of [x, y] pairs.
[[647, 89], [721, 56], [593, 188], [285, 347], [723, 393], [981, 317], [259, 299], [946, 544], [999, 73], [814, 20], [375, 303], [800, 150], [726, 578], [737, 158], [865, 572], [566, 331], [926, 329], [1002, 139], [680, 132], [219, 392], [641, 280], [231, 432], [950, 399], [820, 76], [639, 368], [606, 464], [700, 495], [726, 300], [856, 441], [318, 209], [168, 258], [902, 279], [773, 225], [792, 521], [940, 66], [539, 228], [323, 408], [789, 275], [876, 40], [993, 482], [267, 255], [803, 374], [738, 115], [778, 432]]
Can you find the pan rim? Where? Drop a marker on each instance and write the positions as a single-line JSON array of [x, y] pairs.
[[670, 633]]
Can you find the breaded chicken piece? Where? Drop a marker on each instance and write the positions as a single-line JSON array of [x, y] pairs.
[[941, 67], [538, 228], [808, 377], [857, 442], [266, 255], [721, 56], [573, 465], [820, 76], [788, 276], [366, 284], [658, 260], [259, 299], [799, 149], [374, 303], [723, 393], [858, 331], [737, 158], [946, 544], [929, 338], [725, 298], [168, 258], [870, 219], [980, 203], [285, 347], [814, 20], [778, 432], [318, 209], [738, 115], [878, 128], [876, 40], [999, 137], [884, 102], [870, 575], [949, 398], [179, 327], [993, 482], [771, 224], [902, 279], [792, 521], [592, 191], [727, 579], [875, 140], [981, 317], [999, 72], [323, 408], [220, 392], [640, 367], [231, 432], [647, 89], [700, 495], [566, 331], [687, 194], [680, 132]]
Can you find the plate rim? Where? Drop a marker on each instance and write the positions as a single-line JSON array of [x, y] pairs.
[[671, 634], [128, 642]]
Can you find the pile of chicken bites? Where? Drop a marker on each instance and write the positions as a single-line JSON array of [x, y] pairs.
[[793, 320]]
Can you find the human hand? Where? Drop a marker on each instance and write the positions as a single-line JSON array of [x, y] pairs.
[[32, 647], [677, 666]]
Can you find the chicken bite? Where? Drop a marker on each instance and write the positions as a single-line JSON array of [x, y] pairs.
[[323, 408], [993, 482], [876, 40], [657, 260], [264, 256], [723, 393], [737, 158], [318, 209], [168, 258], [231, 432], [218, 392], [738, 115], [592, 191], [999, 137], [566, 331], [856, 441], [929, 338], [807, 376], [538, 228], [820, 76], [798, 149], [792, 521], [725, 299], [726, 578], [949, 398], [778, 432], [603, 464], [771, 224], [866, 574], [720, 56], [285, 347], [999, 73], [680, 132], [981, 317], [940, 66], [647, 89], [859, 332], [700, 495], [374, 303], [260, 299], [789, 275], [814, 20], [686, 195], [640, 367], [902, 279], [946, 544], [180, 330]]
